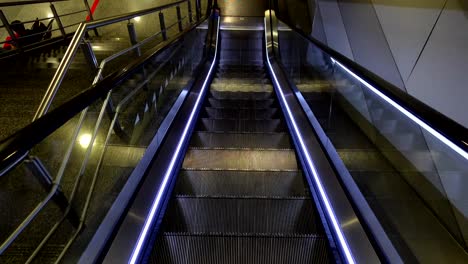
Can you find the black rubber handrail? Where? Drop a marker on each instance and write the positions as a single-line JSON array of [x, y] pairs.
[[453, 131], [15, 146], [18, 3]]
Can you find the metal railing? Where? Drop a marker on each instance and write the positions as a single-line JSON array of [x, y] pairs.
[[35, 39], [19, 153], [78, 38]]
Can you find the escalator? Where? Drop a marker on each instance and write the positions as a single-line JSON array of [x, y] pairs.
[[240, 196], [238, 141]]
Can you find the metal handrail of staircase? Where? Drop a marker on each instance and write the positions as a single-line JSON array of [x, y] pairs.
[[78, 39], [11, 154]]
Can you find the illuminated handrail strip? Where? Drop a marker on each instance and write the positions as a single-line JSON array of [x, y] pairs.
[[323, 195], [404, 111], [163, 188]]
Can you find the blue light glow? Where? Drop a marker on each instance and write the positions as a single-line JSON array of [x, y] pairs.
[[157, 201], [415, 119], [323, 195]]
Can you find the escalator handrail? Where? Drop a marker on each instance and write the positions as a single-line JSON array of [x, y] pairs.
[[13, 148], [447, 127]]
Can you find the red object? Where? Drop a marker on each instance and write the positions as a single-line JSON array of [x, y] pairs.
[[93, 8], [7, 44]]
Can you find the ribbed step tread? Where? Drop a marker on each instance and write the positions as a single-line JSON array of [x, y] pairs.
[[233, 103], [246, 249], [244, 80], [234, 87], [240, 183], [240, 140], [241, 95], [236, 113], [230, 125], [241, 159], [241, 215]]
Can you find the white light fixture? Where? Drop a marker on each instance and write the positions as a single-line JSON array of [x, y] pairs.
[[310, 164], [157, 200], [84, 140], [415, 119], [137, 19]]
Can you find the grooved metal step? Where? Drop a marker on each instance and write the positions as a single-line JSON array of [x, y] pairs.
[[253, 80], [232, 103], [240, 140], [241, 95], [197, 214], [239, 248], [232, 125], [224, 75], [236, 113], [240, 159], [241, 183]]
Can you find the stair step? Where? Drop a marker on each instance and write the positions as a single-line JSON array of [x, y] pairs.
[[241, 95], [240, 73], [241, 183], [232, 125], [206, 214], [241, 159], [236, 113], [122, 156], [242, 88], [240, 140], [248, 80], [239, 248], [241, 103]]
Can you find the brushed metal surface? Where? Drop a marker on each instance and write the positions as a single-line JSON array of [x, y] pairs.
[[241, 183], [236, 113], [240, 248], [239, 159], [221, 215], [241, 140], [233, 125]]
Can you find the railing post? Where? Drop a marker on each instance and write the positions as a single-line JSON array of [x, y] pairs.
[[89, 54], [189, 6], [57, 19], [133, 37], [179, 19], [198, 9], [90, 14], [163, 26], [6, 24]]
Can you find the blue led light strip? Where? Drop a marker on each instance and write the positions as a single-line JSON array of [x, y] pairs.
[[157, 201], [415, 119], [323, 195]]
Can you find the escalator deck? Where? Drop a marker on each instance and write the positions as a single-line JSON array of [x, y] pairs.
[[240, 196]]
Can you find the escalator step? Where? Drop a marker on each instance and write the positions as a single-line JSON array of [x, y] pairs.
[[233, 87], [246, 80], [240, 183], [238, 214], [230, 103], [241, 159], [240, 140], [248, 249], [256, 73], [236, 113], [232, 125], [241, 95]]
